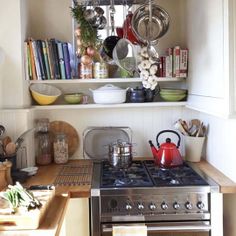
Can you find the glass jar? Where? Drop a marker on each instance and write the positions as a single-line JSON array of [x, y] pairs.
[[86, 71], [43, 144], [60, 146]]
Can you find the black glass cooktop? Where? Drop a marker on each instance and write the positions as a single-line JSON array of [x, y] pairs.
[[147, 174]]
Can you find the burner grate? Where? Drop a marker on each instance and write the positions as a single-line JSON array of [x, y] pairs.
[[135, 176], [176, 176]]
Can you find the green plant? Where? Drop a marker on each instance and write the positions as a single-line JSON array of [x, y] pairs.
[[89, 35]]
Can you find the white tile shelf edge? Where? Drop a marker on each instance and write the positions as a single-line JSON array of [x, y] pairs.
[[98, 106], [108, 80]]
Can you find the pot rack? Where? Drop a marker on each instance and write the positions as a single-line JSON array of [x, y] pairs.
[[107, 2]]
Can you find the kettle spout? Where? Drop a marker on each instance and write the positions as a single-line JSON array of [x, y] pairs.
[[154, 151]]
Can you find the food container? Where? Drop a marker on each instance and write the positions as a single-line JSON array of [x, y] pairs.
[[44, 94], [100, 70], [60, 146], [109, 94]]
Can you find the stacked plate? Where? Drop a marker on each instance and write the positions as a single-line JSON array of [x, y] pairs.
[[173, 95]]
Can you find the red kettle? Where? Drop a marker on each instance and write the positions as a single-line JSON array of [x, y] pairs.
[[167, 155]]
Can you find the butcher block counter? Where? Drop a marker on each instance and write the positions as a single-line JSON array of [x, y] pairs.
[[51, 174]]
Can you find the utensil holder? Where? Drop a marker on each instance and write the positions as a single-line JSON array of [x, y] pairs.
[[193, 148]]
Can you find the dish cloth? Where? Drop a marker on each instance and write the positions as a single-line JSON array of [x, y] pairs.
[[136, 230]]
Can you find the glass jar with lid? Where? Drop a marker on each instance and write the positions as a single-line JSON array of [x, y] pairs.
[[60, 146], [43, 144]]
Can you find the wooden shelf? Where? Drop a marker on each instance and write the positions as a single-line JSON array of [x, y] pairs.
[[99, 106], [108, 80]]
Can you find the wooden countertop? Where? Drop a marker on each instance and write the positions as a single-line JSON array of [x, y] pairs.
[[52, 222]]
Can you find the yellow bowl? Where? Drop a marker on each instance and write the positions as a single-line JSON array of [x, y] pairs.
[[44, 94]]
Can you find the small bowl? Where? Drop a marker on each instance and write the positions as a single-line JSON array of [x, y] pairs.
[[30, 170], [44, 94], [73, 98], [172, 97]]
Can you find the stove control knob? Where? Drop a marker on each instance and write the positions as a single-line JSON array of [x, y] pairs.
[[164, 206], [113, 203], [128, 207], [152, 207], [140, 206], [188, 205], [200, 205], [176, 205]]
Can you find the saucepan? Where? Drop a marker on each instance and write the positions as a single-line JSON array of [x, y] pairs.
[[120, 154], [141, 23]]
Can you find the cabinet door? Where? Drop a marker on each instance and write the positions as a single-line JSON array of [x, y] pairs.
[[206, 37], [77, 218]]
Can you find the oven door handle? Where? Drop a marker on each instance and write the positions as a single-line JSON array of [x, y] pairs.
[[199, 227]]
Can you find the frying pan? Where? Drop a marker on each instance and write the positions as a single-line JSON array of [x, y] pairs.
[[159, 23], [110, 42]]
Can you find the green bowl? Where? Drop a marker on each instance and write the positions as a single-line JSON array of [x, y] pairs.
[[172, 97], [173, 91], [73, 98]]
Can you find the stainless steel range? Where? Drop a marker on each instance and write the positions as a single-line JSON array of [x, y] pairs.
[[172, 201]]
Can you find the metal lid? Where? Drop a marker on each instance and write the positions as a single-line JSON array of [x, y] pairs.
[[96, 140]]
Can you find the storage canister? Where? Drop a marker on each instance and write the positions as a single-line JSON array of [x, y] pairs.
[[60, 146], [100, 70], [86, 71], [43, 144]]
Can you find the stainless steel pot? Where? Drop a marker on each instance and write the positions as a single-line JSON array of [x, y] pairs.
[[141, 23], [120, 155]]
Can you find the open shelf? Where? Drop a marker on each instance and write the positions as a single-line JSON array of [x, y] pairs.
[[108, 80], [98, 106]]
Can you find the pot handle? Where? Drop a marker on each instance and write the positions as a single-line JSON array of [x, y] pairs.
[[169, 131]]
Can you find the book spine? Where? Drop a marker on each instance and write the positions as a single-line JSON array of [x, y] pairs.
[[183, 62], [41, 59], [176, 60], [169, 62], [45, 56], [55, 59], [50, 58], [32, 61], [28, 72], [36, 59], [164, 66], [67, 60], [61, 60]]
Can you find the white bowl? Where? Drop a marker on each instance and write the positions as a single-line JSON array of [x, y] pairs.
[[30, 170]]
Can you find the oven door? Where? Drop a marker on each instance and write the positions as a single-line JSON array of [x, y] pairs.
[[168, 228]]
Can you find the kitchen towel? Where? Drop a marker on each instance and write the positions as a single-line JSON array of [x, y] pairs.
[[135, 230]]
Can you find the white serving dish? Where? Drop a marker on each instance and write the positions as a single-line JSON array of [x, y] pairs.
[[109, 94]]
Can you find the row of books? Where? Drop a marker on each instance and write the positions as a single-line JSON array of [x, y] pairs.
[[174, 63], [47, 59]]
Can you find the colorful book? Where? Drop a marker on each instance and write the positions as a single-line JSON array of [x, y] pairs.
[[50, 58], [61, 60], [55, 59], [183, 63], [176, 61], [28, 72], [45, 56], [169, 62], [41, 58], [36, 59], [32, 61], [67, 60]]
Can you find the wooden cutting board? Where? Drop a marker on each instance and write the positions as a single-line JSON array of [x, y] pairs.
[[71, 133], [27, 219]]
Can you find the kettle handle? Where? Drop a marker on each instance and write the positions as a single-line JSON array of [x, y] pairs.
[[169, 131]]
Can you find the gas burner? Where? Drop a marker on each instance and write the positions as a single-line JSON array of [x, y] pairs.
[[177, 176], [135, 176]]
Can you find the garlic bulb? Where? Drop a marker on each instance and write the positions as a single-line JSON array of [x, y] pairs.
[[148, 70]]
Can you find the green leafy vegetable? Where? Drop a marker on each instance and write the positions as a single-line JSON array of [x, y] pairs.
[[17, 196]]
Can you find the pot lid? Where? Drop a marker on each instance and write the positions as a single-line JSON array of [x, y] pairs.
[[96, 140], [108, 87]]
